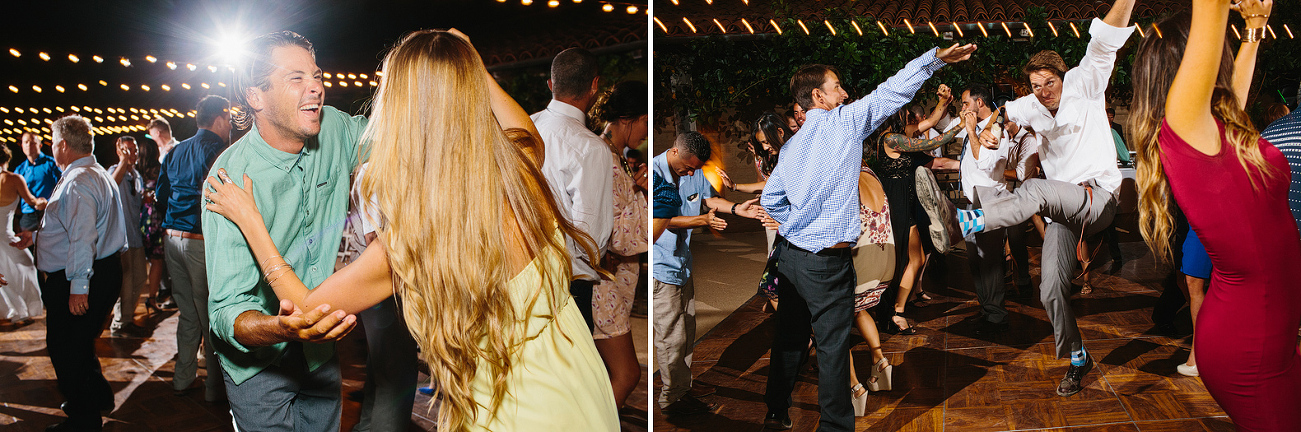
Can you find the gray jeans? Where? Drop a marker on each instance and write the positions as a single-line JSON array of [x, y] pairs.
[[1072, 210], [287, 397], [675, 333], [185, 260]]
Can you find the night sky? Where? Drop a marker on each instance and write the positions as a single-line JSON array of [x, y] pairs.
[[349, 36]]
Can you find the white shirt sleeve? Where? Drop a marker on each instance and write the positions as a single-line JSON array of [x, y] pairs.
[[1092, 76]]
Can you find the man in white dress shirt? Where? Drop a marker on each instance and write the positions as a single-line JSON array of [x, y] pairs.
[[78, 246], [1069, 109], [577, 164], [982, 165]]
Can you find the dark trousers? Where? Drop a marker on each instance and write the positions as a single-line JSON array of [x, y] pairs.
[[582, 292], [70, 339], [30, 221], [816, 294]]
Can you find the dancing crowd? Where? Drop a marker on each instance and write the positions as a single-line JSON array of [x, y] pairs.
[[853, 212], [502, 249]]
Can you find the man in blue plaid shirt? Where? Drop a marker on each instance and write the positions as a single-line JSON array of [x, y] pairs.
[[813, 194]]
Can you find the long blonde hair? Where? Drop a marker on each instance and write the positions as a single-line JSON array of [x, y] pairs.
[[450, 185], [1155, 63]]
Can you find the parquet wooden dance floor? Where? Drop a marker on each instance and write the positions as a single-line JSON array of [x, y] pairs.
[[948, 379]]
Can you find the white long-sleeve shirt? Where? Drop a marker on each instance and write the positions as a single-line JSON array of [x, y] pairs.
[[987, 170], [577, 166], [1080, 147]]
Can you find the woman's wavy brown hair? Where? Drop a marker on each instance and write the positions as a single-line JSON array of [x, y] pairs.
[[1155, 63], [451, 187]]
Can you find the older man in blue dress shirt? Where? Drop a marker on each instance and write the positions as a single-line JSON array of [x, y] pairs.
[[78, 246], [813, 194]]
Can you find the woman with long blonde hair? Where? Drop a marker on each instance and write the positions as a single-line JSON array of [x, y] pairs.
[[470, 239], [1196, 144]]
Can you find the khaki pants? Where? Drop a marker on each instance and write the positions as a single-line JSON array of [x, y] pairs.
[[134, 272], [675, 334]]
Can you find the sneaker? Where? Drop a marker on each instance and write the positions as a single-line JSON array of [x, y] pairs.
[[688, 405], [1186, 370], [1072, 383], [943, 216], [777, 421]]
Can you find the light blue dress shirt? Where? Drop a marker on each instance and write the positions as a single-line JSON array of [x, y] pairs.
[[83, 223], [813, 192], [673, 250]]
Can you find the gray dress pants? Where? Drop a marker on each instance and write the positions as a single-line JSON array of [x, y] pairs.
[[391, 369], [1073, 209]]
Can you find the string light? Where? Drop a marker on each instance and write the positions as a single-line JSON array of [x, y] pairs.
[[73, 58], [328, 84], [959, 29], [166, 87], [747, 25], [58, 88], [1073, 29], [1289, 31], [185, 86], [125, 62], [1140, 30], [125, 87], [191, 66], [171, 65], [806, 28], [526, 2], [910, 26], [1271, 31], [632, 10], [97, 59], [829, 27], [982, 29], [689, 24], [882, 27], [553, 3], [44, 56], [1235, 31], [15, 52], [856, 27], [1158, 31], [1028, 29], [205, 86], [720, 26], [36, 89], [1051, 27], [1005, 29], [933, 29], [151, 59], [661, 24], [774, 25], [610, 8], [144, 87]]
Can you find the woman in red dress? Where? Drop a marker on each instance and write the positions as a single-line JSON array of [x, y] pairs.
[[1196, 143]]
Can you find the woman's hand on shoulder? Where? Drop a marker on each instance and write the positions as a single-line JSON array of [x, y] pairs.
[[232, 201]]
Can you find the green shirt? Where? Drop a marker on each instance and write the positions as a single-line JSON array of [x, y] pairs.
[[303, 198], [1122, 152]]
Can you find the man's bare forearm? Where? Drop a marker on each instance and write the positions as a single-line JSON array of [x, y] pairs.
[[253, 328]]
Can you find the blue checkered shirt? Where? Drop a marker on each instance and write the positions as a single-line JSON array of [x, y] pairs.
[[1285, 133], [813, 191]]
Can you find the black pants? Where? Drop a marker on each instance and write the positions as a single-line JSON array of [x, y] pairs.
[[70, 339], [816, 294], [582, 292]]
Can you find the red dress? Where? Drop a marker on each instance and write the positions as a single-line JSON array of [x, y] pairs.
[[1247, 332]]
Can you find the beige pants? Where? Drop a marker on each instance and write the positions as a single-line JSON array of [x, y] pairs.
[[134, 272]]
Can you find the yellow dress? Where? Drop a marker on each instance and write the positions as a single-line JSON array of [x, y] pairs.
[[558, 381]]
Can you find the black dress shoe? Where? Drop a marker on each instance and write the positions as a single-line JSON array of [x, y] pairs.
[[777, 420], [986, 328], [76, 425], [1072, 383], [688, 405]]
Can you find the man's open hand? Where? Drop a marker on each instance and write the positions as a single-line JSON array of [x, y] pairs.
[[316, 325]]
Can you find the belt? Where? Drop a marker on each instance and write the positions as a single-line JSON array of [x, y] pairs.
[[184, 234], [831, 252]]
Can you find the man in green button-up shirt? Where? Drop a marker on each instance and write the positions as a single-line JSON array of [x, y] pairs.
[[281, 368]]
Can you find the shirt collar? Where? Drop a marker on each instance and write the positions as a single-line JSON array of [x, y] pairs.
[[40, 160], [567, 110], [86, 161], [279, 159]]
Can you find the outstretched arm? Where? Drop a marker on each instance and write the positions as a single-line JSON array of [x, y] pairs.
[[1118, 16], [1256, 14], [508, 112], [1188, 104], [905, 144], [946, 98], [873, 109], [352, 289]]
